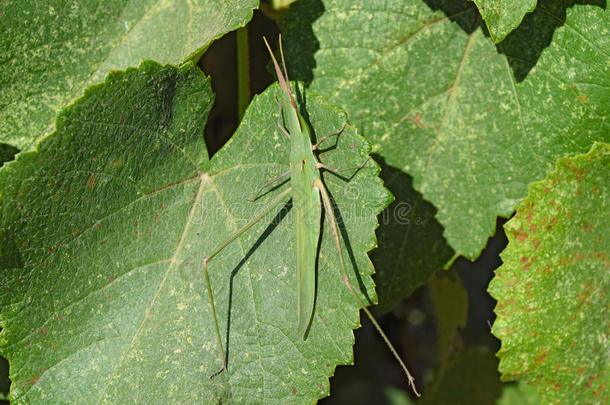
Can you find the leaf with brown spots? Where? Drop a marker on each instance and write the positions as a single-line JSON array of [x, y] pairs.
[[553, 322], [108, 285], [469, 122], [76, 44]]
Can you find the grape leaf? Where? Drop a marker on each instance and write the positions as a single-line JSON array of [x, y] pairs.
[[551, 290], [52, 50], [450, 301], [472, 379], [366, 392], [519, 394], [502, 17], [281, 4], [104, 227], [411, 243], [471, 122]]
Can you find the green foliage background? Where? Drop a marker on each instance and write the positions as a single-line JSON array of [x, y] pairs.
[[112, 200]]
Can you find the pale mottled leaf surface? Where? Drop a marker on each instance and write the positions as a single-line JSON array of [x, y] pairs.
[[104, 227], [472, 123], [51, 50], [552, 288], [502, 16]]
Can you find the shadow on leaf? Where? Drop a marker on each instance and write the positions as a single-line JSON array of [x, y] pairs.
[[411, 243], [524, 45]]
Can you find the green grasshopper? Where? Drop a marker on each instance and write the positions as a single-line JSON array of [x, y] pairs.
[[306, 189]]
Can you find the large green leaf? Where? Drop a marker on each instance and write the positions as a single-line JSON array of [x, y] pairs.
[[472, 123], [502, 17], [552, 288], [519, 394], [104, 227], [471, 379], [52, 49]]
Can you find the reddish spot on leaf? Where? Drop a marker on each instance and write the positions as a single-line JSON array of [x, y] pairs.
[[91, 182], [541, 357], [536, 243], [293, 390], [584, 294], [59, 318], [522, 237], [104, 241], [601, 388], [111, 279], [417, 121], [43, 331]]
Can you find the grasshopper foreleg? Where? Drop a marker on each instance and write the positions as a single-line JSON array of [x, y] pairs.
[[317, 144]]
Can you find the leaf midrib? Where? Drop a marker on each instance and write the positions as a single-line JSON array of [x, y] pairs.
[[173, 261]]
